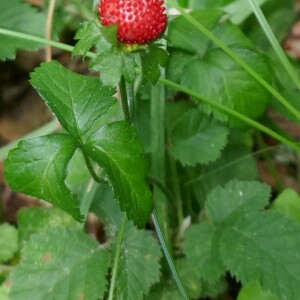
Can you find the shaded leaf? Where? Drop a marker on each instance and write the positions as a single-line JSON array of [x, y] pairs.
[[60, 264], [202, 251], [196, 138], [264, 247], [8, 242], [21, 17], [139, 264], [229, 202]]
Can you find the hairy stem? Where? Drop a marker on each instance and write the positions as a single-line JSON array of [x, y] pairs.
[[50, 14], [117, 257]]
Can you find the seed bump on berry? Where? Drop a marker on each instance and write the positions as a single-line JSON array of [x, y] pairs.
[[139, 21]]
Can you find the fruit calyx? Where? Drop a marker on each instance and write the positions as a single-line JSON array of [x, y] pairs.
[[138, 21]]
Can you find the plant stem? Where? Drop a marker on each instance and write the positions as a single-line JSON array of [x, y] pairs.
[[273, 41], [270, 164], [91, 169], [235, 57], [176, 189], [124, 99], [168, 256], [116, 257], [50, 14], [231, 112]]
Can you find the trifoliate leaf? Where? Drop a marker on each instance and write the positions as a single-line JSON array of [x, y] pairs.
[[16, 15], [195, 138], [202, 251], [212, 73], [38, 167], [288, 202], [264, 247], [79, 102], [139, 264], [39, 219], [60, 264], [117, 150], [8, 242], [235, 198]]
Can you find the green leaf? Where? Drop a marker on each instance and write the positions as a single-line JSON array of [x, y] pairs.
[[109, 64], [21, 17], [236, 162], [190, 280], [39, 219], [207, 3], [254, 291], [4, 290], [228, 203], [288, 202], [117, 150], [38, 167], [60, 264], [218, 77], [79, 102], [107, 209], [88, 35], [152, 58], [213, 289], [264, 247], [202, 251], [165, 290], [212, 73], [196, 138], [8, 242], [139, 264]]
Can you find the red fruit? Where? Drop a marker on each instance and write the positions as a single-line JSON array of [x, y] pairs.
[[139, 21]]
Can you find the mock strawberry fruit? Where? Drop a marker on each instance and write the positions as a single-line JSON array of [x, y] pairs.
[[139, 21]]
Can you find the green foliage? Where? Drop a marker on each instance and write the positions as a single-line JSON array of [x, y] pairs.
[[212, 73], [238, 197], [241, 239], [62, 264], [21, 17], [251, 251], [4, 290], [202, 251], [254, 291], [37, 165], [288, 202], [8, 242], [113, 59], [33, 220], [82, 106], [195, 138], [139, 264]]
